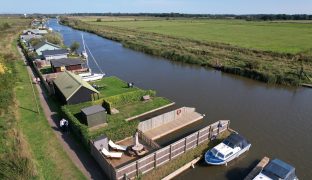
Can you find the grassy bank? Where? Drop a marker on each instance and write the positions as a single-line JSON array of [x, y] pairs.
[[28, 147], [16, 161], [52, 161], [271, 66]]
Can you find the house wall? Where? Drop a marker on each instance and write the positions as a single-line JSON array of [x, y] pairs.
[[59, 56], [59, 94], [44, 48], [82, 95], [69, 68]]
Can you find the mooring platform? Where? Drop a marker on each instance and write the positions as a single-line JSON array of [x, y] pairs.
[[166, 128]]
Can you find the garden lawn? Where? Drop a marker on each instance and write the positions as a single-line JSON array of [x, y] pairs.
[[110, 86], [118, 128]]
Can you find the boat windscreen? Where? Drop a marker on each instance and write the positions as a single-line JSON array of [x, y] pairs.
[[236, 140], [279, 169]]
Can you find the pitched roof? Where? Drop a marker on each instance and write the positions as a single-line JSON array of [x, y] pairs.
[[54, 52], [92, 109], [30, 36], [69, 83], [39, 45], [66, 62]]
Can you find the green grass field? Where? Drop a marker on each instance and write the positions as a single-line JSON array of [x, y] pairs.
[[110, 86], [281, 37], [28, 147], [272, 52]]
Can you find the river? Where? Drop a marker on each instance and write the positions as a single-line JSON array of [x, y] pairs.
[[277, 120]]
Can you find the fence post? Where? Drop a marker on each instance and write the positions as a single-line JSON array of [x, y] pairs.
[[170, 151], [155, 163], [185, 144], [137, 168], [197, 138]]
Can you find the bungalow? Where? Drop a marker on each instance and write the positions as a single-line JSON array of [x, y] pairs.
[[69, 64], [26, 38], [43, 46], [35, 32], [71, 89], [55, 54]]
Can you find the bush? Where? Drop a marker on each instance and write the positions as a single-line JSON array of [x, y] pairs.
[[74, 46], [54, 38], [98, 20], [252, 64], [80, 130], [126, 98], [5, 26]]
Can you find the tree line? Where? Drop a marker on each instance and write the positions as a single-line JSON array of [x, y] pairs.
[[249, 17]]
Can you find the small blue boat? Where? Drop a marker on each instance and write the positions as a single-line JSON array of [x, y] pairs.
[[231, 148]]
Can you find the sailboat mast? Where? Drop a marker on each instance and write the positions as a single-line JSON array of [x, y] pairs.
[[84, 48]]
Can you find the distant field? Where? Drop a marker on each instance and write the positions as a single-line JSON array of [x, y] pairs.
[[284, 37]]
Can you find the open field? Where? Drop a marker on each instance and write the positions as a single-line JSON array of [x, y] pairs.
[[291, 68], [28, 147], [281, 37]]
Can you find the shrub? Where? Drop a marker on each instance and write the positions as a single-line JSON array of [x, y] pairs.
[[98, 20], [5, 26], [253, 64], [74, 46], [80, 130]]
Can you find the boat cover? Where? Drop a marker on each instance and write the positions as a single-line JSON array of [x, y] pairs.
[[236, 140], [277, 169]]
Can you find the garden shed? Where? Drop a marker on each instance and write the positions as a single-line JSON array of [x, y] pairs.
[[94, 115]]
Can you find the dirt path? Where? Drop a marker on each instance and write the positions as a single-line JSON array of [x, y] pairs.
[[76, 151]]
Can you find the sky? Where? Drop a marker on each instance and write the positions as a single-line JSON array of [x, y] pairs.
[[159, 6]]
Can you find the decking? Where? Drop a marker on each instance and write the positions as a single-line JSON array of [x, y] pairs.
[[186, 119], [256, 170]]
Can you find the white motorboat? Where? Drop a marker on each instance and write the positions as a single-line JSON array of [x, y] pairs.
[[277, 169], [231, 148]]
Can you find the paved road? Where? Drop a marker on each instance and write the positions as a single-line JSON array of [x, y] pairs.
[[76, 151]]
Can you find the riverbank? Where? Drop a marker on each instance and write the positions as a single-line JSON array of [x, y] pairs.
[[28, 147], [265, 66]]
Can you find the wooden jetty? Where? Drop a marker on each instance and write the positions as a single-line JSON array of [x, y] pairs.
[[167, 128], [256, 170], [307, 85]]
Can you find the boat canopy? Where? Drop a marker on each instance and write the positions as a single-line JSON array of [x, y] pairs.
[[236, 140], [277, 169]]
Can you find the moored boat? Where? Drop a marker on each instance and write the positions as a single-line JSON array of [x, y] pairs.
[[277, 169], [229, 149]]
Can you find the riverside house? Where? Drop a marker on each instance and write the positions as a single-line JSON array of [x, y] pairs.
[[43, 46], [69, 64], [71, 89], [55, 54]]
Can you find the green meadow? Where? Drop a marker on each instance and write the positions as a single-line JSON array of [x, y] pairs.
[[283, 37]]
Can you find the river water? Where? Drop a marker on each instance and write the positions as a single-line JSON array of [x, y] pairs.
[[276, 120]]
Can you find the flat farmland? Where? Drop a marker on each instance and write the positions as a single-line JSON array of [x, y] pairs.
[[283, 37]]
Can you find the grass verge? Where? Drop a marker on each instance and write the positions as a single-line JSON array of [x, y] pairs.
[[52, 161]]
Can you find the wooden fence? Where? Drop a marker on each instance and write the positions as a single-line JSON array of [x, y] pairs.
[[164, 118], [171, 151], [149, 141]]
